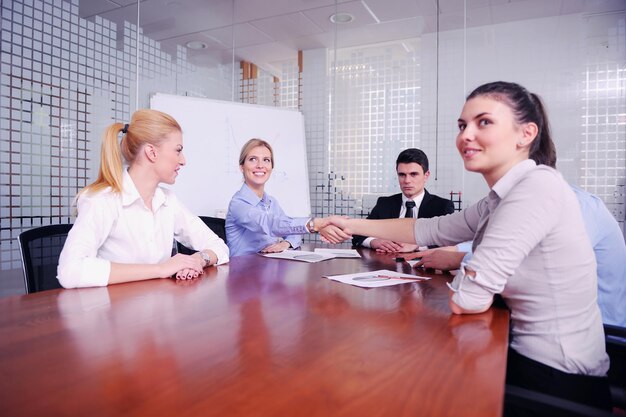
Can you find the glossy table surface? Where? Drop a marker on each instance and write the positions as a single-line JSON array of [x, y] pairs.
[[255, 337]]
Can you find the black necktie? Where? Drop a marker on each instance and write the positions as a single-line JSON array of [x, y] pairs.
[[409, 208]]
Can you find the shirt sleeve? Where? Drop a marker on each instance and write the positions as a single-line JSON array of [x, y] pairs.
[[449, 230], [518, 224], [79, 265], [195, 234], [367, 243], [295, 240], [272, 222]]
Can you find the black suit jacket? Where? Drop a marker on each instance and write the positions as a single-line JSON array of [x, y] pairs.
[[389, 208]]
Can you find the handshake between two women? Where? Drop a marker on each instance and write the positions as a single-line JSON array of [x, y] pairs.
[[336, 229]]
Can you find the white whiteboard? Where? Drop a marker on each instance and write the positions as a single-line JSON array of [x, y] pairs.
[[214, 132]]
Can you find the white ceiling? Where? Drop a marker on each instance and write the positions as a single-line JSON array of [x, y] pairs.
[[267, 31]]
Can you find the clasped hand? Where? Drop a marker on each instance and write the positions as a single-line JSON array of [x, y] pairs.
[[333, 229], [389, 246], [184, 266], [446, 258]]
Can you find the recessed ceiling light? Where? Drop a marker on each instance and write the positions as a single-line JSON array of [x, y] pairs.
[[197, 45], [341, 17]]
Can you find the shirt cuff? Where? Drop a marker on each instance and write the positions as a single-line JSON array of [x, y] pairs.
[[294, 241], [367, 242], [222, 254], [468, 293]]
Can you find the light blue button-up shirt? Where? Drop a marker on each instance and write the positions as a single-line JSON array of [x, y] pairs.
[[252, 223], [610, 250]]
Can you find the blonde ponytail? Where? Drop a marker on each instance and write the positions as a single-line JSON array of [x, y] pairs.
[[111, 165], [146, 126]]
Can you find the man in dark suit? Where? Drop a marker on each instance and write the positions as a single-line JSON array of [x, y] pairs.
[[413, 201]]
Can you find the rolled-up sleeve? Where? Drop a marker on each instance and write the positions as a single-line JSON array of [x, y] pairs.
[[79, 265], [473, 292], [451, 229], [521, 220]]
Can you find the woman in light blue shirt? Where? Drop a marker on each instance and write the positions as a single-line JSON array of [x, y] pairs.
[[255, 221]]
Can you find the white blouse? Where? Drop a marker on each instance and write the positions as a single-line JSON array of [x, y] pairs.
[[118, 227]]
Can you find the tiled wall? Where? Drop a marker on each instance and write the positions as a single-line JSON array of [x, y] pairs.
[[376, 114], [53, 67], [63, 80], [576, 63]]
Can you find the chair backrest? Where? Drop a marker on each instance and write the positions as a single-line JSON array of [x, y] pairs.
[[40, 249], [615, 338], [217, 225], [520, 401]]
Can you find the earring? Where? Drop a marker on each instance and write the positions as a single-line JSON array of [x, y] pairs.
[[520, 143]]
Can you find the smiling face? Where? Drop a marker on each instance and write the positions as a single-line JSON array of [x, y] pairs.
[[257, 168], [412, 178], [489, 140], [170, 157]]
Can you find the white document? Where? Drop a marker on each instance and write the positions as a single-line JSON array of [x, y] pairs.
[[380, 278], [339, 253], [299, 255]]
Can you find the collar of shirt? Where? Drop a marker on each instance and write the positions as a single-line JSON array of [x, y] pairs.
[[417, 199], [130, 194], [505, 184], [251, 198]]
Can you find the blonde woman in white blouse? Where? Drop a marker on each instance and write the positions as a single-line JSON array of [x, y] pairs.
[[126, 222]]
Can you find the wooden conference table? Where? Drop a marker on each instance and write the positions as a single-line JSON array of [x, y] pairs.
[[255, 337]]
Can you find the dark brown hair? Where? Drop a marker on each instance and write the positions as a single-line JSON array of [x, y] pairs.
[[527, 107]]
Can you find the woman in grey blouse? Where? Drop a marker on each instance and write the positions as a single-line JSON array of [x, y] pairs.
[[530, 246]]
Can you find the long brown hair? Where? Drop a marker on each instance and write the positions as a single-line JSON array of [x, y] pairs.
[[146, 126]]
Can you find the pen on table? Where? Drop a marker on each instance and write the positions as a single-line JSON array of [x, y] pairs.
[[396, 277], [399, 259]]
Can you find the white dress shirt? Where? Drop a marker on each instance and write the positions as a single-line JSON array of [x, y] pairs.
[[118, 227], [417, 200], [531, 246]]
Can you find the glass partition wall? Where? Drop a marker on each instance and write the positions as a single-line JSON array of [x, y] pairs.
[[371, 77]]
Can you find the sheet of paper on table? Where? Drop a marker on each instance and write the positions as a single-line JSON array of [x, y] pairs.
[[373, 279], [339, 253], [299, 255]]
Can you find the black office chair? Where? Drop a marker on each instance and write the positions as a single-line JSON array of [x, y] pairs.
[[533, 403], [537, 403], [40, 249], [217, 225], [615, 339]]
